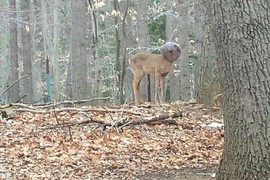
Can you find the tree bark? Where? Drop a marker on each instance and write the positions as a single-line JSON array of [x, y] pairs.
[[14, 64], [241, 36], [118, 49], [177, 23], [79, 50], [55, 52], [208, 85], [131, 45], [199, 13], [143, 44], [26, 50]]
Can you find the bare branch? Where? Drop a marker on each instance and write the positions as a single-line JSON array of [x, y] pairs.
[[13, 85]]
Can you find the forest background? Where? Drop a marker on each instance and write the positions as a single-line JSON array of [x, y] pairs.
[[60, 50]]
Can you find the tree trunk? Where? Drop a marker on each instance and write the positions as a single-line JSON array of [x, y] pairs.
[[27, 89], [95, 65], [143, 44], [180, 86], [47, 42], [208, 85], [13, 43], [37, 70], [131, 45], [55, 52], [79, 50], [199, 18], [242, 38], [118, 48]]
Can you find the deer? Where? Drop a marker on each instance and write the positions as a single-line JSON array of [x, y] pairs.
[[159, 65]]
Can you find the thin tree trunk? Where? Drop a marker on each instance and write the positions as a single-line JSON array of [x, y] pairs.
[[13, 42], [79, 50], [55, 52], [118, 46], [199, 18], [143, 42], [27, 51], [184, 92], [95, 66], [179, 82], [124, 7], [208, 85], [36, 63], [131, 45]]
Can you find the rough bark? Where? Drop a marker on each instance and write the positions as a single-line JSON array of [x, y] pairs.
[[208, 85], [241, 36]]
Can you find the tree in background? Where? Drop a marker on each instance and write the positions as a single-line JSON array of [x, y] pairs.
[[80, 33], [86, 58], [143, 40], [241, 35], [199, 12], [177, 27], [208, 82], [55, 52], [14, 63], [26, 50]]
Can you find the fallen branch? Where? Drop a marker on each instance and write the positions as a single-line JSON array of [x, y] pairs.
[[21, 105], [46, 105], [30, 109], [153, 120]]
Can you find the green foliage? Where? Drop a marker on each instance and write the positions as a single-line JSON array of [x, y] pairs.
[[157, 28]]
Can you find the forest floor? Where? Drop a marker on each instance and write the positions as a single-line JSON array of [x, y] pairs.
[[181, 140]]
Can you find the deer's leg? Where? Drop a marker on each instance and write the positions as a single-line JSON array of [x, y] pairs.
[[162, 82], [136, 88], [157, 82]]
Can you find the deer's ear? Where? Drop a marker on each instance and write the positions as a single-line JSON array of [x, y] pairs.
[[177, 48]]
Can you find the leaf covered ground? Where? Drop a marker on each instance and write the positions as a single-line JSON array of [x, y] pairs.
[[88, 142]]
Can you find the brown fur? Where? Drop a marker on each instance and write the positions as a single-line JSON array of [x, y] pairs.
[[156, 64]]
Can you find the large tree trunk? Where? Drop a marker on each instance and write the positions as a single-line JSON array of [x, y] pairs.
[[241, 32]]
